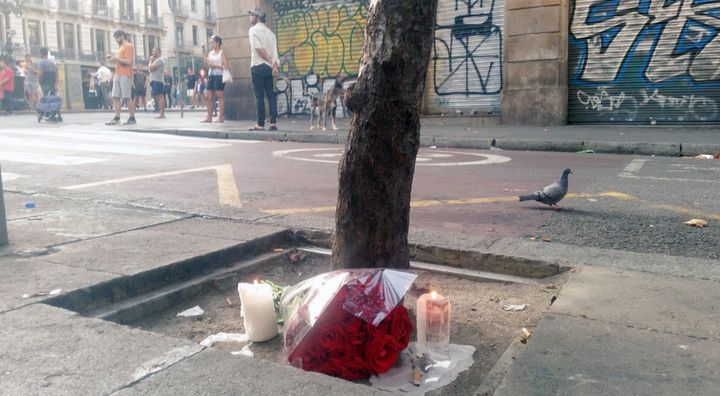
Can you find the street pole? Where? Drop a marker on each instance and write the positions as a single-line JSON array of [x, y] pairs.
[[3, 223]]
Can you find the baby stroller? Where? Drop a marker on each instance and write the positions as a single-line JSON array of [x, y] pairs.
[[49, 108]]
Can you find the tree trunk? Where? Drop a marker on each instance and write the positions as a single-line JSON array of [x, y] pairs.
[[377, 168]]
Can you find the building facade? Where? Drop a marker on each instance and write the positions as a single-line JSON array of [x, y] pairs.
[[79, 35], [532, 62]]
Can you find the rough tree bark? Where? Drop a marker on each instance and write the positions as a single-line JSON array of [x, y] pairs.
[[377, 168]]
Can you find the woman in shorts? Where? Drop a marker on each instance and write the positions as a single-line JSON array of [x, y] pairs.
[[216, 62]]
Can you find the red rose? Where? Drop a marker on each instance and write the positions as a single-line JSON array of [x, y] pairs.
[[351, 324], [353, 369], [308, 356], [381, 353], [329, 335], [399, 325]]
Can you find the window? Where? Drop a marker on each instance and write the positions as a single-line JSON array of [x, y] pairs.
[[34, 36], [195, 35], [151, 8], [152, 42], [100, 7], [193, 5], [127, 10], [78, 39], [179, 35], [208, 9], [100, 43], [208, 34], [68, 37]]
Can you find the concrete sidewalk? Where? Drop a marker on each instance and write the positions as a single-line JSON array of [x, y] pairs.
[[449, 132]]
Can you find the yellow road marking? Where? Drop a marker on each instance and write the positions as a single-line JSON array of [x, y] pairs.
[[228, 193], [227, 189], [474, 201]]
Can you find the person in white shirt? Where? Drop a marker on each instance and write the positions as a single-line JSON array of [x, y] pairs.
[[104, 76], [264, 64]]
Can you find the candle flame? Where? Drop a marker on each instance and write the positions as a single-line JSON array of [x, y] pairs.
[[433, 294]]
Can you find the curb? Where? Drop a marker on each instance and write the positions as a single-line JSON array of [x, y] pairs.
[[434, 141]]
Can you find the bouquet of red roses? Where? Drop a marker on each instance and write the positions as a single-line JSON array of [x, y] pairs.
[[348, 323]]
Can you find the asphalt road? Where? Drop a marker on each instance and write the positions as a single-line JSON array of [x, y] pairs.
[[620, 202]]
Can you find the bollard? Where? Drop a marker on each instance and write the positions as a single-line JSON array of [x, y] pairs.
[[3, 223]]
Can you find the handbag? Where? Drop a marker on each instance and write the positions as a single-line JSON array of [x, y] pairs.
[[227, 77]]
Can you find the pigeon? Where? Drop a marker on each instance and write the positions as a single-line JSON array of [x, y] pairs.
[[551, 194]]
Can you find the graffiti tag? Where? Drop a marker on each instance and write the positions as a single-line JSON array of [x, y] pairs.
[[699, 107]]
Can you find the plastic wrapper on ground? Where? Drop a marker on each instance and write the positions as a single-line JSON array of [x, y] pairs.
[[425, 368]]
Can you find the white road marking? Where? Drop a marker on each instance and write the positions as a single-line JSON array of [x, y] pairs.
[[77, 146], [228, 193], [131, 137], [133, 178], [47, 159], [7, 176], [631, 176], [700, 168], [635, 165], [424, 159]]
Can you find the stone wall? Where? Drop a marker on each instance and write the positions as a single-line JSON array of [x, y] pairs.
[[233, 26], [72, 88], [535, 85]]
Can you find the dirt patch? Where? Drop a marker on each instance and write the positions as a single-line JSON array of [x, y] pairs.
[[478, 314]]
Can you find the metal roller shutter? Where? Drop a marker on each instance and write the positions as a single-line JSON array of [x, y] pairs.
[[466, 66], [318, 43], [644, 61]]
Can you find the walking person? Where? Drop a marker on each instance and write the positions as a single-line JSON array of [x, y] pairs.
[[216, 62], [190, 82], [167, 79], [264, 64], [104, 77], [7, 86], [156, 66], [122, 83], [32, 82], [201, 85], [48, 78], [140, 87]]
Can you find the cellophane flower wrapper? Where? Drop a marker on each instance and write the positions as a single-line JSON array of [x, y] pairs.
[[347, 323]]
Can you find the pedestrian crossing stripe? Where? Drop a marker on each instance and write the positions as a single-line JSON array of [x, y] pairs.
[[47, 159], [79, 146], [7, 176], [122, 137]]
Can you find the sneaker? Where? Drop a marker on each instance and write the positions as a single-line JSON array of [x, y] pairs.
[[131, 121], [114, 121]]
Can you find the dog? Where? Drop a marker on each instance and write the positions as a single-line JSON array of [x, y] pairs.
[[325, 105]]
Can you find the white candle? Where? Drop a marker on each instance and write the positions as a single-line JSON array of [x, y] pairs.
[[258, 311], [433, 318]]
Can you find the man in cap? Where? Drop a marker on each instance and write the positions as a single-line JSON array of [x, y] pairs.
[[264, 64]]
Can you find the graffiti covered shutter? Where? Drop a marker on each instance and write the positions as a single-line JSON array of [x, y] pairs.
[[319, 42], [465, 73], [647, 61]]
